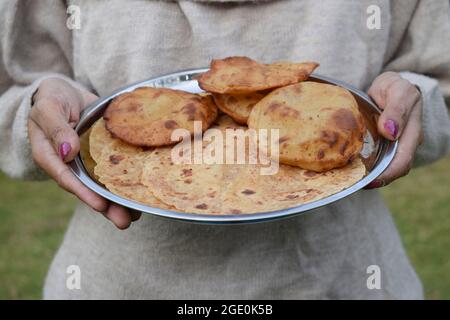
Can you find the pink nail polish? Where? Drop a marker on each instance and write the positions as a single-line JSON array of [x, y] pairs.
[[64, 150], [391, 127]]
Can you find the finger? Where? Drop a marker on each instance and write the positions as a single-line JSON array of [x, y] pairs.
[[401, 98], [135, 215], [403, 159], [118, 215], [53, 120], [378, 89], [88, 98], [45, 156]]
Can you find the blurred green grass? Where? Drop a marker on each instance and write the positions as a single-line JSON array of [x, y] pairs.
[[34, 215]]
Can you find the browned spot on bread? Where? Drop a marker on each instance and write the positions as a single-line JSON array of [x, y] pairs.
[[236, 211], [273, 106], [297, 89], [320, 154], [115, 159], [190, 111], [202, 206], [330, 137], [188, 181], [133, 107], [343, 147], [292, 196], [157, 94], [248, 192], [232, 100], [283, 139], [345, 119], [170, 124], [187, 172], [289, 112], [309, 173], [351, 158]]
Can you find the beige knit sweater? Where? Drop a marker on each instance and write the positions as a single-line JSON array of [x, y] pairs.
[[323, 254]]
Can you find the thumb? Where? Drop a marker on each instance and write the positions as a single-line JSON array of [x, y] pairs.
[[68, 144], [88, 98]]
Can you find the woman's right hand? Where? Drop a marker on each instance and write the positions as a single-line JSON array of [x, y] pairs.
[[55, 112]]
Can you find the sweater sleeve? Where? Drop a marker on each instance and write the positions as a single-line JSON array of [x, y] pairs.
[[423, 58], [34, 44]]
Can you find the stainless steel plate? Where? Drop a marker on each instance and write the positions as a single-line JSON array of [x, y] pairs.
[[377, 153]]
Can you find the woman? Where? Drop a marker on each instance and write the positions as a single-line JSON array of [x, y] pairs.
[[50, 72]]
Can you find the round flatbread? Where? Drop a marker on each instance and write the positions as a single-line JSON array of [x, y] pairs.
[[120, 168], [148, 116], [99, 137], [320, 126], [243, 75], [239, 188], [88, 162], [237, 106]]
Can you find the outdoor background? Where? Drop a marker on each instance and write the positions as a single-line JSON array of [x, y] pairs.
[[34, 215]]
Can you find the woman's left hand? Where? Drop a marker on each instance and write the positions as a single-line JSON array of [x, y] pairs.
[[401, 119]]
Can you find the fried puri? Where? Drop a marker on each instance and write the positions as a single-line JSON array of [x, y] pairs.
[[242, 75], [148, 116], [320, 126], [237, 106]]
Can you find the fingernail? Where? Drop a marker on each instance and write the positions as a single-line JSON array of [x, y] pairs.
[[375, 184], [64, 150], [391, 127]]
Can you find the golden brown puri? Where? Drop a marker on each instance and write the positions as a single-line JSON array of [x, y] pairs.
[[320, 126], [243, 75], [237, 106], [148, 116]]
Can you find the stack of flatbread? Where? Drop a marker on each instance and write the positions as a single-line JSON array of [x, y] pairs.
[[134, 149]]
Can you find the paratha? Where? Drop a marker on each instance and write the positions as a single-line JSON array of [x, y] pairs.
[[239, 188]]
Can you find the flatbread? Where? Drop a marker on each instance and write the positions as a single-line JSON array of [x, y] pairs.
[[320, 126], [243, 75], [237, 106], [88, 162], [148, 116], [120, 168], [99, 137], [239, 188]]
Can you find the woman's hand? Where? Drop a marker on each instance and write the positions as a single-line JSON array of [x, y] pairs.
[[401, 119], [55, 112]]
